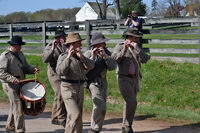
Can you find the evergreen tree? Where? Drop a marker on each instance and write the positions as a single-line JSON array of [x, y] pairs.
[[127, 6]]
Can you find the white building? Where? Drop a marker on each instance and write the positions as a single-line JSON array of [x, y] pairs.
[[90, 11]]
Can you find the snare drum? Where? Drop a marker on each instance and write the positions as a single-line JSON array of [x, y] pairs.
[[33, 97]]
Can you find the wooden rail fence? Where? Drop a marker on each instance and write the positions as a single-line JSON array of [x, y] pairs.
[[92, 26]]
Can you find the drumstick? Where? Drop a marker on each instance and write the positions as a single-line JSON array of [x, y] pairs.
[[36, 76], [26, 80]]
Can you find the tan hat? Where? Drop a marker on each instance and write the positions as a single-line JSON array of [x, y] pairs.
[[133, 32], [73, 37]]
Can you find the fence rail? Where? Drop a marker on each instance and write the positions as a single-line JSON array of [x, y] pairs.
[[114, 27]]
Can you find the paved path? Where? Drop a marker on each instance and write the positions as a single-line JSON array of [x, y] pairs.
[[112, 124]]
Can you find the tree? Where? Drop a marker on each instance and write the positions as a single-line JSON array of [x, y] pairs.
[[154, 5], [132, 5], [117, 9], [195, 4]]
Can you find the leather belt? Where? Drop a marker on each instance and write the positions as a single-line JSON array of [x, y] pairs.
[[129, 75], [17, 77], [102, 76], [73, 81]]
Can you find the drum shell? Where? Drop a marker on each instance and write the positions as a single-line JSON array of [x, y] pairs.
[[33, 107]]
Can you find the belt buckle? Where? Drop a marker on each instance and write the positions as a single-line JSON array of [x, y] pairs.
[[103, 76], [133, 76]]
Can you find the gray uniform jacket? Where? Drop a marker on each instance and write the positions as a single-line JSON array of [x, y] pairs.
[[73, 69], [10, 67], [124, 60], [51, 56], [110, 65]]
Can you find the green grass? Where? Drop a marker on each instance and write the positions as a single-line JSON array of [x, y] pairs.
[[185, 46], [173, 54], [170, 91]]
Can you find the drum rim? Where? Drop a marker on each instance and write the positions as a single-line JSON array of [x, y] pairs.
[[32, 101]]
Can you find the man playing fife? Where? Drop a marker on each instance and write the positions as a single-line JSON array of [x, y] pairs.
[[129, 56], [50, 55], [71, 66], [97, 83]]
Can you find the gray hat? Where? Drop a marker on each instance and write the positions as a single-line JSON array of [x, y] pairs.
[[133, 32], [98, 38], [16, 40], [60, 33]]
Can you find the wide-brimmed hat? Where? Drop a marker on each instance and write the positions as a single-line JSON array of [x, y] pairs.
[[16, 40], [133, 32], [98, 38], [60, 33], [73, 37]]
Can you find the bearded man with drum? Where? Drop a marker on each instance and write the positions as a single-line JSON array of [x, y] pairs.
[[13, 68], [97, 83], [50, 55], [71, 66]]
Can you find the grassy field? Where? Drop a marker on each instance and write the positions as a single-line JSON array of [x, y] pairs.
[[170, 91]]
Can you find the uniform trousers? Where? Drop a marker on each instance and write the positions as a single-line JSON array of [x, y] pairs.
[[129, 93], [15, 118], [59, 112], [73, 95], [98, 95]]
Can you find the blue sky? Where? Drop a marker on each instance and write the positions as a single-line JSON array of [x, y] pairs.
[[10, 6]]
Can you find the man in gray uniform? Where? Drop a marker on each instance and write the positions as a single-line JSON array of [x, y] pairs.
[[13, 68], [97, 83], [71, 66], [129, 56], [50, 55]]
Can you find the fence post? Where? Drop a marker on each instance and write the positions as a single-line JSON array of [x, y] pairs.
[[88, 32], [44, 34], [199, 36], [11, 31]]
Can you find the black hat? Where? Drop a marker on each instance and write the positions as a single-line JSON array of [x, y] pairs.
[[98, 38], [133, 32], [60, 33], [16, 40]]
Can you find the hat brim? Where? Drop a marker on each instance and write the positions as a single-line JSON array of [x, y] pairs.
[[140, 34], [60, 35], [100, 41], [75, 40], [14, 43]]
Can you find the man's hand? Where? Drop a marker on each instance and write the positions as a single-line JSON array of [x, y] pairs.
[[62, 41], [36, 70], [126, 45], [102, 51], [136, 47], [94, 53], [16, 81], [79, 53], [70, 53], [54, 44]]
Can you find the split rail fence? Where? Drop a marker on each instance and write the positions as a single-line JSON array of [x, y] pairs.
[[115, 27]]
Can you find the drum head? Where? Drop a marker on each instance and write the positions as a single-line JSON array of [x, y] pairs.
[[31, 92]]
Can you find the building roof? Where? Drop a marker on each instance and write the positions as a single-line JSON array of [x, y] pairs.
[[96, 8]]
